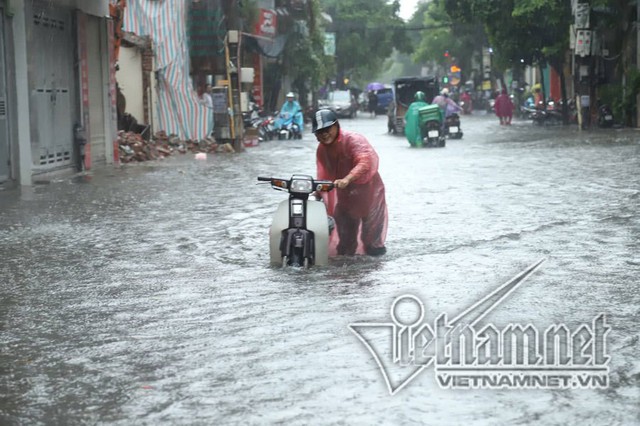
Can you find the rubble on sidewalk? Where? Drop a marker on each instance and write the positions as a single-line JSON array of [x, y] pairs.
[[134, 148]]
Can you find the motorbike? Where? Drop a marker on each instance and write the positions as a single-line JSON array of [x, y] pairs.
[[491, 106], [466, 103], [300, 230], [250, 116], [528, 111], [452, 126], [552, 114], [431, 128], [605, 116], [289, 128], [466, 107]]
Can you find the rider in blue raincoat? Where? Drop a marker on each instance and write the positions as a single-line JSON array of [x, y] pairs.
[[290, 111]]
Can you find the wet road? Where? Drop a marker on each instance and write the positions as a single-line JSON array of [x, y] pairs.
[[144, 295]]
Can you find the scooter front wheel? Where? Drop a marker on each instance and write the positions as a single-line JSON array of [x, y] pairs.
[[285, 260]]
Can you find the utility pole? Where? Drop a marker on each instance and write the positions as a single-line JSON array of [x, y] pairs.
[[232, 65], [583, 71]]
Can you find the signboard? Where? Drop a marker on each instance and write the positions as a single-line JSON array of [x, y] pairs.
[[219, 102], [329, 44], [582, 15], [583, 43], [267, 23]]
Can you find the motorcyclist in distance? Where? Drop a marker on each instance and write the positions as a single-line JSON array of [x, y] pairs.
[[290, 110]]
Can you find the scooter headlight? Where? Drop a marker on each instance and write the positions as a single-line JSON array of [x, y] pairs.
[[301, 186]]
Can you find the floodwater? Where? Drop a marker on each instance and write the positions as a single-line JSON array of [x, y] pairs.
[[144, 294]]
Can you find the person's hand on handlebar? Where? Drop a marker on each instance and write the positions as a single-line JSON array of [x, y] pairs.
[[343, 183]]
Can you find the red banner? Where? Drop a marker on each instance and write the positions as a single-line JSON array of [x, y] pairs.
[[267, 24]]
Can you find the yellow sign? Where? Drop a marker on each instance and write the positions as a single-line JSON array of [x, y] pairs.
[[486, 85], [455, 68]]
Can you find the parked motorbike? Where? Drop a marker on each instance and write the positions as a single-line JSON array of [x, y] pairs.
[[249, 117], [431, 128], [528, 111], [552, 114], [605, 116], [299, 233], [452, 127]]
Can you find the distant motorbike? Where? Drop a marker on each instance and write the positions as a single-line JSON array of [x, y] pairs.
[[466, 107], [491, 106], [289, 128], [605, 116], [431, 128], [300, 230], [452, 126]]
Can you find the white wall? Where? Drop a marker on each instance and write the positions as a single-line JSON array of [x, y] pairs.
[[130, 80]]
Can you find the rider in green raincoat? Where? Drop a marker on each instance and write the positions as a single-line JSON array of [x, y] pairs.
[[412, 120]]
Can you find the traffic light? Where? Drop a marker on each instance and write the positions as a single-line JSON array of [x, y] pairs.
[[445, 80], [446, 53]]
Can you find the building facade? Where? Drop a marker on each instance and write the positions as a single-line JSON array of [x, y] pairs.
[[56, 75]]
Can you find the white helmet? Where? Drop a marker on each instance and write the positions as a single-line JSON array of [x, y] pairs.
[[444, 91], [290, 95]]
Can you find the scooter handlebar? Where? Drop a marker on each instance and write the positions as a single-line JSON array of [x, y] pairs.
[[264, 179], [326, 185]]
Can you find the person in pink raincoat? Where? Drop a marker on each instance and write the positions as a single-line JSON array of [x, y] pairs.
[[504, 108], [358, 203]]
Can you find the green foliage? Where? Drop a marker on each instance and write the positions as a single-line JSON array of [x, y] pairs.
[[461, 39], [623, 102], [629, 103], [303, 58], [249, 13], [520, 31], [367, 31], [611, 94]]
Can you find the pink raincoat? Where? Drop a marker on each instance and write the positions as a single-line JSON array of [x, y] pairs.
[[504, 106], [360, 210]]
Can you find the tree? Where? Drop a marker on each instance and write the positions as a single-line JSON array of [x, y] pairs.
[[441, 34], [614, 22], [526, 32], [366, 33], [304, 52]]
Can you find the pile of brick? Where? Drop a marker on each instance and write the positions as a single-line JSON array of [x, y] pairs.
[[133, 147]]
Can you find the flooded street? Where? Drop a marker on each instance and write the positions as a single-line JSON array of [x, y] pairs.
[[144, 295]]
